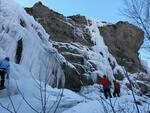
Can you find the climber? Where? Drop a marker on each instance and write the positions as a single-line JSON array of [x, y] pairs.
[[106, 86], [116, 88], [4, 69]]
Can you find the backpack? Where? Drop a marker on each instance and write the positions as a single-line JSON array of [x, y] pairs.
[[105, 82], [117, 85]]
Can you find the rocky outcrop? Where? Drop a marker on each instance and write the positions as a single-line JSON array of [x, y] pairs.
[[140, 84], [66, 30], [144, 88], [124, 41], [79, 19], [61, 28], [77, 76], [72, 38]]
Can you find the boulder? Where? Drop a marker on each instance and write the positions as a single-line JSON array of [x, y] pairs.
[[119, 75], [72, 78]]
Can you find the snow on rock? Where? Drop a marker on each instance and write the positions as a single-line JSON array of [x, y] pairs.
[[78, 39], [104, 59], [97, 54]]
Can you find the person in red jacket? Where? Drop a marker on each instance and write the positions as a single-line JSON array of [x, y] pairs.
[[116, 89], [106, 86]]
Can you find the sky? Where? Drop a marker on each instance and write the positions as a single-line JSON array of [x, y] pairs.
[[105, 10]]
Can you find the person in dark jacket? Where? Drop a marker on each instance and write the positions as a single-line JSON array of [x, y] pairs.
[[116, 89], [4, 69], [106, 86]]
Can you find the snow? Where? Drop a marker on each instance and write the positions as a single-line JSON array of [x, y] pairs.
[[95, 103], [76, 103]]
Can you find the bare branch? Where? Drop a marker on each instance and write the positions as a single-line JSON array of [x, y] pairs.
[[139, 12], [26, 100], [131, 84], [6, 108], [59, 100]]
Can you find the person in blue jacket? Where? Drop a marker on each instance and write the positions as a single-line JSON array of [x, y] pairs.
[[4, 69]]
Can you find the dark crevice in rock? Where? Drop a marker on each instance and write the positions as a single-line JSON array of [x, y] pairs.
[[22, 23], [101, 54], [112, 64], [19, 51]]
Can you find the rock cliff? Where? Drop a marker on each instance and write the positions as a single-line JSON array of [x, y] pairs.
[[72, 37]]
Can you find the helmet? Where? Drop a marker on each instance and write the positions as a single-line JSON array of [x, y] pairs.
[[105, 76], [7, 58]]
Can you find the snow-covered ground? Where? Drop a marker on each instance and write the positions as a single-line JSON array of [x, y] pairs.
[[96, 103], [89, 100], [28, 90]]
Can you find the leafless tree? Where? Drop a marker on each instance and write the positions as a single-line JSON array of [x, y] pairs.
[[139, 13], [132, 89]]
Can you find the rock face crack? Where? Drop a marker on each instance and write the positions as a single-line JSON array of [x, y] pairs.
[[19, 51]]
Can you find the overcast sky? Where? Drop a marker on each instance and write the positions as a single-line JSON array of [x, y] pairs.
[[106, 10]]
